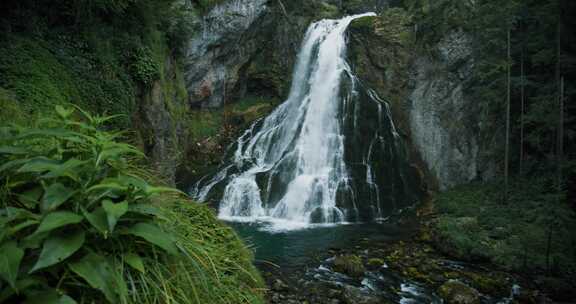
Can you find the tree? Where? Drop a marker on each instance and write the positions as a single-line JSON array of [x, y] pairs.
[[508, 94]]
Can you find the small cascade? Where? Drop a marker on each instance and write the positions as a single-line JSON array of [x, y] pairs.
[[329, 154]]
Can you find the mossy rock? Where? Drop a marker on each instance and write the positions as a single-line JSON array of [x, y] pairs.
[[375, 263], [350, 265], [364, 23], [456, 292], [492, 284]]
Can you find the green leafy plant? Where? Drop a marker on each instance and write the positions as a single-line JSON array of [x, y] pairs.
[[144, 68], [75, 222]]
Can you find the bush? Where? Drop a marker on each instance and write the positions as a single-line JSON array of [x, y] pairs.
[[74, 217], [531, 233], [143, 66], [78, 223]]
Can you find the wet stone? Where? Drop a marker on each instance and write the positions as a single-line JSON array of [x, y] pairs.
[[456, 292]]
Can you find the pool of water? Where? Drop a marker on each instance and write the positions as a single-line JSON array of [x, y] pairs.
[[299, 248]]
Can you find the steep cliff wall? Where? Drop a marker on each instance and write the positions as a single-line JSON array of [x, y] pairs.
[[247, 48], [428, 94], [445, 121], [218, 52]]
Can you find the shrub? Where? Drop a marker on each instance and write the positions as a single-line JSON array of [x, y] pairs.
[[144, 68], [75, 223]]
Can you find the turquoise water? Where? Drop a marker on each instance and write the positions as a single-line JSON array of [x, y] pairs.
[[295, 249]]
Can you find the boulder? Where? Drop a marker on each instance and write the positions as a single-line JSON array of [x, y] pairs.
[[350, 265], [456, 292]]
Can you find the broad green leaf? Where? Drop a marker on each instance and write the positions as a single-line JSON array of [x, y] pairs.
[[23, 225], [13, 150], [98, 219], [38, 165], [48, 297], [58, 248], [153, 235], [135, 261], [108, 185], [69, 168], [13, 163], [98, 272], [114, 212], [116, 150], [56, 194], [63, 112], [12, 214], [10, 258], [31, 198], [58, 219]]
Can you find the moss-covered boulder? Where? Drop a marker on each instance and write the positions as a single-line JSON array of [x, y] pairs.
[[350, 265], [456, 292], [375, 263]]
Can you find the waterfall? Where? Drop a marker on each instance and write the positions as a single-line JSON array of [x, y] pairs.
[[301, 165]]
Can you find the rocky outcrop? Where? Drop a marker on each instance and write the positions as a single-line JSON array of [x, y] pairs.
[[161, 121], [445, 122], [429, 97], [248, 47], [220, 50]]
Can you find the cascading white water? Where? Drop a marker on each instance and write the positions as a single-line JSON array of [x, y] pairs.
[[329, 154], [300, 145]]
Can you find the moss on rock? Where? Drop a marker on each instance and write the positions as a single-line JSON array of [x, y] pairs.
[[350, 265], [456, 292]]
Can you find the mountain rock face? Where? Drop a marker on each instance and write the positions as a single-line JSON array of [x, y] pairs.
[[218, 52], [428, 94], [161, 129], [444, 122]]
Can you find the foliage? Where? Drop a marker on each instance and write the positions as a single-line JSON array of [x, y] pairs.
[[475, 225], [542, 53], [78, 224], [143, 66], [95, 54], [73, 216], [38, 73], [11, 110], [219, 268]]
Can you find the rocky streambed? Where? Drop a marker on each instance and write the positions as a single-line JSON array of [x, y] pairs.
[[410, 270]]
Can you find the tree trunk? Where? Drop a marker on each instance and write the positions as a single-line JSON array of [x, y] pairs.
[[522, 107], [507, 148], [560, 92]]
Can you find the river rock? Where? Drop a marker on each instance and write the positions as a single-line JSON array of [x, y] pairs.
[[354, 295], [279, 285], [350, 265], [456, 292], [375, 263]]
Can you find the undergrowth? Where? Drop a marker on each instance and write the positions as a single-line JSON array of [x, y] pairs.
[[532, 232], [80, 223]]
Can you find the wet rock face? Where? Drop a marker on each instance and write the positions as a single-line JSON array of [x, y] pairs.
[[216, 54], [444, 120], [448, 134], [163, 135], [249, 46]]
